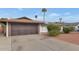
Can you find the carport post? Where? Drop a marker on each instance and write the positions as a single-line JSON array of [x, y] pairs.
[[39, 29], [6, 29]]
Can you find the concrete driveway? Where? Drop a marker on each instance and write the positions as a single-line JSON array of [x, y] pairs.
[[40, 43], [5, 43], [35, 43]]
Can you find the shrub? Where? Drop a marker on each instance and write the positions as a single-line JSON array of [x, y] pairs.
[[71, 28], [53, 29], [66, 29], [54, 33]]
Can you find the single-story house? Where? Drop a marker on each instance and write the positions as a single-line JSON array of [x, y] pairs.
[[20, 26]]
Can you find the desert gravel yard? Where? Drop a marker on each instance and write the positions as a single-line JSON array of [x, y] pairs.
[[35, 43], [72, 37]]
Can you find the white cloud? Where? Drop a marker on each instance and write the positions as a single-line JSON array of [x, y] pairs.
[[54, 14]]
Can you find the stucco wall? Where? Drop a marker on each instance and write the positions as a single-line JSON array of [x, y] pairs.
[[42, 29]]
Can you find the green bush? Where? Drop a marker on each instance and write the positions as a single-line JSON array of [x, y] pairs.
[[71, 28], [53, 29], [66, 30], [54, 33]]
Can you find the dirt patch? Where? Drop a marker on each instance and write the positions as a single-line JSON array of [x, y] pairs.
[[71, 37]]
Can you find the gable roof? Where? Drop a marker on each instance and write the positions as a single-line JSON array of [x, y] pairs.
[[21, 20], [24, 18]]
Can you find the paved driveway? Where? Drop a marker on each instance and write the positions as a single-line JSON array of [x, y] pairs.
[[40, 43], [35, 43], [5, 43]]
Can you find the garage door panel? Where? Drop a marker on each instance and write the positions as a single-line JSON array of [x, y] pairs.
[[23, 29]]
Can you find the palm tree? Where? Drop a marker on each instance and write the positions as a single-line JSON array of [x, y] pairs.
[[36, 16], [60, 19], [44, 10]]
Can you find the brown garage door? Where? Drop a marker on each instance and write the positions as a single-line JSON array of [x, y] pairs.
[[23, 29]]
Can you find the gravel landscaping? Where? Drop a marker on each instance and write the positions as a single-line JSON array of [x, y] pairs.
[[71, 37]]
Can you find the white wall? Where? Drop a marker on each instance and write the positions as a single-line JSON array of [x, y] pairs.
[[61, 30], [42, 29]]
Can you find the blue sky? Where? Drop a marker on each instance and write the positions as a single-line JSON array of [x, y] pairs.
[[52, 14]]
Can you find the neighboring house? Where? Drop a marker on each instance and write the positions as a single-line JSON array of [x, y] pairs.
[[77, 27], [21, 26]]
